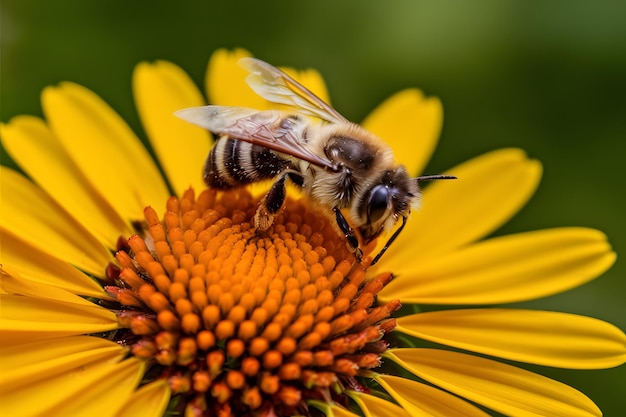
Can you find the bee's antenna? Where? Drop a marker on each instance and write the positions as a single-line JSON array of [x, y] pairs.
[[435, 177], [389, 242]]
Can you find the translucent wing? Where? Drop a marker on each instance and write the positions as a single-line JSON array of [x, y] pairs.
[[274, 85], [270, 129]]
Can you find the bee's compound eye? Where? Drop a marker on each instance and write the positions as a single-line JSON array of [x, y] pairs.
[[377, 203]]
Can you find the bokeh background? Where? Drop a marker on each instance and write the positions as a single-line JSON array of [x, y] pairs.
[[546, 76]]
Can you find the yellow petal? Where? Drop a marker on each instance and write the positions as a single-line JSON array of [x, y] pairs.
[[503, 388], [330, 409], [12, 282], [32, 215], [540, 337], [225, 81], [336, 411], [506, 269], [26, 319], [32, 145], [160, 89], [27, 363], [17, 257], [489, 190], [105, 149], [410, 123], [226, 85], [80, 391], [376, 407], [151, 400], [423, 400]]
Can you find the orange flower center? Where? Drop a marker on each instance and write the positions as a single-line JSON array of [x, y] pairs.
[[247, 324]]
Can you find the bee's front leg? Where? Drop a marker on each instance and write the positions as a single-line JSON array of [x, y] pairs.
[[348, 232]]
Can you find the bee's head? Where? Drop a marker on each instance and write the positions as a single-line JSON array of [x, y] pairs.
[[387, 200]]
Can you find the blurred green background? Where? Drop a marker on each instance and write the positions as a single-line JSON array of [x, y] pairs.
[[546, 76]]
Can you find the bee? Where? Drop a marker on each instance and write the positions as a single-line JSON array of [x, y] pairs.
[[337, 163]]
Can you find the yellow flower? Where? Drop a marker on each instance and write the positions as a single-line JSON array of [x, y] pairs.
[[120, 299]]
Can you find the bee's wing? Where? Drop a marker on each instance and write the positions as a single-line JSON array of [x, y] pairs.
[[257, 127], [274, 85]]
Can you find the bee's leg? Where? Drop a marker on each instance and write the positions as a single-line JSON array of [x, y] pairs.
[[348, 232], [270, 204]]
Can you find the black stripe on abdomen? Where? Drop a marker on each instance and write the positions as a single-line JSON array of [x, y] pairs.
[[215, 174], [267, 164], [232, 163], [233, 152]]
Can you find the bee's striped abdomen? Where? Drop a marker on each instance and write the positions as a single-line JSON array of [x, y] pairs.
[[232, 163]]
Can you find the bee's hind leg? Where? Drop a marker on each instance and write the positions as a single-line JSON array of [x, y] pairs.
[[271, 204], [353, 242]]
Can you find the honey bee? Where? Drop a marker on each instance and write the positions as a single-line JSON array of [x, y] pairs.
[[337, 163]]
